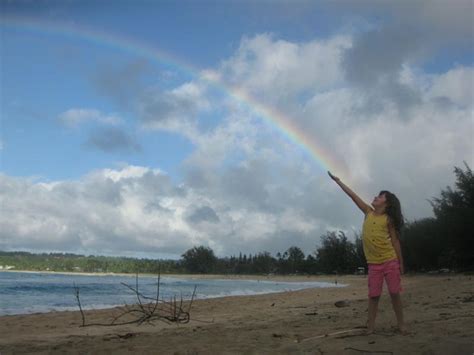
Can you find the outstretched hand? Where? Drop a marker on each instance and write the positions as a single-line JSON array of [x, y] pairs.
[[334, 177]]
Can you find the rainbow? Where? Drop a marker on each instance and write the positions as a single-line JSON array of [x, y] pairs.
[[325, 159]]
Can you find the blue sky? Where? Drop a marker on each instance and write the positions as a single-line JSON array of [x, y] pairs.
[[106, 150]]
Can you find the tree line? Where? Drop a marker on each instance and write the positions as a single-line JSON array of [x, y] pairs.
[[66, 262], [447, 239], [444, 241]]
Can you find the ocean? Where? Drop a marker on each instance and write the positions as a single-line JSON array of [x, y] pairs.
[[27, 292]]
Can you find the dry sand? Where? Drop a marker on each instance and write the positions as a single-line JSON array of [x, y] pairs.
[[439, 312]]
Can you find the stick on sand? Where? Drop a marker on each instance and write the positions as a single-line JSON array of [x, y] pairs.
[[355, 331]]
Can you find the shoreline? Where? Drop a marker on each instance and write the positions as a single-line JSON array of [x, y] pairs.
[[438, 310], [273, 277]]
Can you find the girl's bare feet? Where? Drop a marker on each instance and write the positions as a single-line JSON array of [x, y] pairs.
[[369, 329]]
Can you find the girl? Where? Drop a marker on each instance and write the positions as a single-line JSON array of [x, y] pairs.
[[380, 239]]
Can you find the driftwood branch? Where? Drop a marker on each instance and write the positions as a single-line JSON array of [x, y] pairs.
[[347, 332], [370, 351], [147, 309], [76, 292]]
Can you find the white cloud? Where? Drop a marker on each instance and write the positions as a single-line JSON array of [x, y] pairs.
[[456, 85], [127, 172], [234, 136], [175, 110], [131, 209], [76, 116], [106, 211], [274, 69]]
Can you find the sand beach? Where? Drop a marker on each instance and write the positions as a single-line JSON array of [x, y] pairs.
[[439, 312]]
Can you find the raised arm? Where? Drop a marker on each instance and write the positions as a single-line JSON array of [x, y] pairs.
[[364, 207]]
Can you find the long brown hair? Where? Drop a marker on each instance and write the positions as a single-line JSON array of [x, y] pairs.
[[393, 209]]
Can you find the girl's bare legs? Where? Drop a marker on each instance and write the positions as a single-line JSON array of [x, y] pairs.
[[373, 306], [397, 308]]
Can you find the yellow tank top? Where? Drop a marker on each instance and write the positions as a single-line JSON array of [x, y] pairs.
[[378, 247]]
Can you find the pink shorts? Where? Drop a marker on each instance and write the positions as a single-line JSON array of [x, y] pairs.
[[389, 270]]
